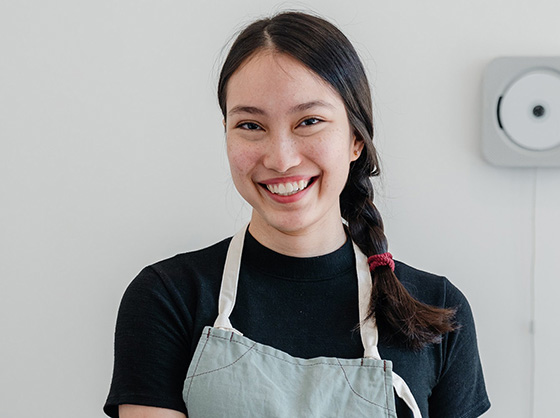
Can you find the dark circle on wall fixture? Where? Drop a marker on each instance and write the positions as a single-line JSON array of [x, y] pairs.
[[539, 111]]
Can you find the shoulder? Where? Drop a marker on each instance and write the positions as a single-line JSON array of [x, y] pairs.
[[202, 261], [438, 373], [429, 288], [178, 293], [183, 275], [410, 276], [438, 291]]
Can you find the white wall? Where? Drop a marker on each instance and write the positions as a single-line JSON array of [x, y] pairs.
[[112, 157]]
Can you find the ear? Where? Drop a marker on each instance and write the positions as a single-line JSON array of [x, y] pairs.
[[357, 147]]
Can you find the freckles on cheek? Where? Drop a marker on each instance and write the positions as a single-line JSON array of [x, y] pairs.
[[240, 161]]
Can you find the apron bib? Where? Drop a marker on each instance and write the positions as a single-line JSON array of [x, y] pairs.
[[233, 376]]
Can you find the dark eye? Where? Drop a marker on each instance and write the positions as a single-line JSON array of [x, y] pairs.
[[310, 121], [250, 126]]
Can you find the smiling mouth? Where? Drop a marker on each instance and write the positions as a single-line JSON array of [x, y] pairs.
[[289, 188]]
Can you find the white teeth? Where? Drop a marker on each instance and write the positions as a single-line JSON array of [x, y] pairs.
[[287, 189]]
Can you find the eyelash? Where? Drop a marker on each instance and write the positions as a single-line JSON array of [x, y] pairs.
[[245, 125], [317, 120]]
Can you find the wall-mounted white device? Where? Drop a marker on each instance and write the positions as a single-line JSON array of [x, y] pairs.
[[521, 112]]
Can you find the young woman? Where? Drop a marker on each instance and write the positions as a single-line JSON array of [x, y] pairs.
[[304, 313]]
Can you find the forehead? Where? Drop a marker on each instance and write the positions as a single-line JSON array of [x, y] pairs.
[[272, 79]]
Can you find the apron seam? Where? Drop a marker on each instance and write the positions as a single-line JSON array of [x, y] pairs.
[[354, 391], [223, 367]]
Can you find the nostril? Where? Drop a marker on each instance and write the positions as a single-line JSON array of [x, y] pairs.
[[281, 161]]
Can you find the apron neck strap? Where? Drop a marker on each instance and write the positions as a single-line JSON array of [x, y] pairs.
[[230, 278], [368, 327]]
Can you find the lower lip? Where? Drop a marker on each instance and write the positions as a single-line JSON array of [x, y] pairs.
[[291, 198]]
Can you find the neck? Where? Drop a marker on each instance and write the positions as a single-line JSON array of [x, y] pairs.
[[315, 240]]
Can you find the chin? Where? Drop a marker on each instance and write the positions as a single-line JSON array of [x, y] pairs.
[[291, 226]]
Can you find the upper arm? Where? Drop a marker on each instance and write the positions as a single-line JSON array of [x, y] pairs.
[[460, 390], [141, 411], [151, 347]]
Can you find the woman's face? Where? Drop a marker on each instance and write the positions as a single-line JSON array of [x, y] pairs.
[[289, 145]]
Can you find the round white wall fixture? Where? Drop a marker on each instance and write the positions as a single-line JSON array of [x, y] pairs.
[[529, 111], [521, 112]]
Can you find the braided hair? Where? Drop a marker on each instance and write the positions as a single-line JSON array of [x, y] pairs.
[[325, 50]]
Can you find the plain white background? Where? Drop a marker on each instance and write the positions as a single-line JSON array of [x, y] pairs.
[[112, 157]]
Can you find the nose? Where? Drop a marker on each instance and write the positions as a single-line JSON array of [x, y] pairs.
[[281, 152]]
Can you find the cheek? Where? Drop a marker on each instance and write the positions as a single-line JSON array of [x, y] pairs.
[[241, 158], [334, 151], [334, 157]]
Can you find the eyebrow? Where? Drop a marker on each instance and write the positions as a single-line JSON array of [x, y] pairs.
[[246, 109], [310, 105], [297, 108]]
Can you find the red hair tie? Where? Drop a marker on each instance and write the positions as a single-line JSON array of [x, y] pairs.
[[385, 259]]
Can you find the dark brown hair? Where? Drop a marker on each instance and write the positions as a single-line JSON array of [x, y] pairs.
[[324, 49]]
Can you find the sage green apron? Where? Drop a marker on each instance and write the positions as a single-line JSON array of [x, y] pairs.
[[233, 376]]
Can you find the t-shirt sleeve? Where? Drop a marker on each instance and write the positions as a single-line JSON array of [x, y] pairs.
[[152, 343], [460, 391]]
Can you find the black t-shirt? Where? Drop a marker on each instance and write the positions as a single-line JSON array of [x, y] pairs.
[[306, 307]]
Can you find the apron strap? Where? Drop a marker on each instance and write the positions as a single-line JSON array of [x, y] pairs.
[[228, 290], [368, 328], [403, 392]]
